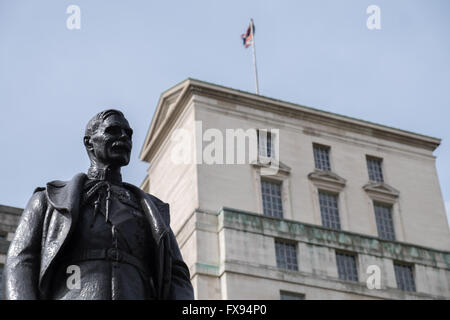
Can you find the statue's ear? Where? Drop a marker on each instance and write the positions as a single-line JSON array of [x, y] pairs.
[[87, 143]]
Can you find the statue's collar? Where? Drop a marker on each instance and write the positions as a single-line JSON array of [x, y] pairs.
[[107, 174]]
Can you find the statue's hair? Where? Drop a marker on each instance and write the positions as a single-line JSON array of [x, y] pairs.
[[95, 122]]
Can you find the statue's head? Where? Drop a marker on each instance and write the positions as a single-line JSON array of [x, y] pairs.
[[108, 139]]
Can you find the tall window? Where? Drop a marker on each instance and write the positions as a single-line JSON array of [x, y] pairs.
[[286, 254], [265, 144], [346, 265], [329, 210], [322, 157], [375, 170], [271, 197], [404, 276], [383, 217], [284, 295]]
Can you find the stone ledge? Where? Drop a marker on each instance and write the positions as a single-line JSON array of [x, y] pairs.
[[339, 239], [313, 280], [10, 210], [204, 269]]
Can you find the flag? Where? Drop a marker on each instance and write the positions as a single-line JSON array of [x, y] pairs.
[[247, 37]]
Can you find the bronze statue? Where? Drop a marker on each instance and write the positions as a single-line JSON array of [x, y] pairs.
[[112, 235]]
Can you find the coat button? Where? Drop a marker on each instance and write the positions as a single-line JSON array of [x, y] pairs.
[[114, 254]]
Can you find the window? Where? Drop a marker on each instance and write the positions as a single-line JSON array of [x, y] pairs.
[[284, 295], [329, 210], [286, 255], [346, 265], [404, 276], [271, 197], [265, 144], [383, 217], [374, 168], [322, 157]]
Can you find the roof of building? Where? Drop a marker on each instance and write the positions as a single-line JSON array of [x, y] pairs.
[[382, 131]]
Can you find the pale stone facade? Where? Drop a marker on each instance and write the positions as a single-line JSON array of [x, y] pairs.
[[9, 219], [217, 210]]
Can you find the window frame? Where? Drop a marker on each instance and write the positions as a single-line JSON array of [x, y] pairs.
[[322, 146], [337, 196], [269, 136], [286, 243], [381, 166], [355, 260], [280, 185], [396, 264], [300, 296], [391, 213]]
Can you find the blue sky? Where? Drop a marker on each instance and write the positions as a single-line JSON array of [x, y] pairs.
[[315, 53]]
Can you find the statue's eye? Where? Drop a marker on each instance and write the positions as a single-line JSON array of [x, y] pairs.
[[113, 130]]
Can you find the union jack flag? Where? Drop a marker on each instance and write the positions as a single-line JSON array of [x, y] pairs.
[[247, 37]]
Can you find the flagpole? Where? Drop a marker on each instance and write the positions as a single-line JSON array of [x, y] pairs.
[[254, 57]]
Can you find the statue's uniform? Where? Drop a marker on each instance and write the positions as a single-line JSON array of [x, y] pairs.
[[111, 246], [117, 236]]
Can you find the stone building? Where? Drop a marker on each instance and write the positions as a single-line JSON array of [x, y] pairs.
[[9, 219], [354, 210]]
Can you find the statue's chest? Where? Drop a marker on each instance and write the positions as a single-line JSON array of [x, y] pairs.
[[116, 223]]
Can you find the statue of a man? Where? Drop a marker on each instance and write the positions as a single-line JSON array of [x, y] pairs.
[[96, 237]]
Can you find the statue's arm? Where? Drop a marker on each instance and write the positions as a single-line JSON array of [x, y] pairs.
[[180, 285], [21, 270]]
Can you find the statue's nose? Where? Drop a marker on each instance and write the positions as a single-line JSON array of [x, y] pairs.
[[125, 137], [124, 133]]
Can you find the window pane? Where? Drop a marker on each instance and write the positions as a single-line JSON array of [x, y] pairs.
[[385, 225], [265, 145], [286, 254], [291, 296], [346, 265], [404, 276], [329, 210], [271, 196], [374, 168], [322, 157]]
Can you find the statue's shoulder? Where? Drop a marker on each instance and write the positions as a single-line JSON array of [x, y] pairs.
[[40, 193], [59, 193], [156, 200], [78, 179], [38, 198], [162, 206], [57, 183]]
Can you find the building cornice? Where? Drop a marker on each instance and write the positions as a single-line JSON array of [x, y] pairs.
[[189, 87]]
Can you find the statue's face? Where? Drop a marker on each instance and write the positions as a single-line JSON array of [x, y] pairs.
[[111, 143]]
